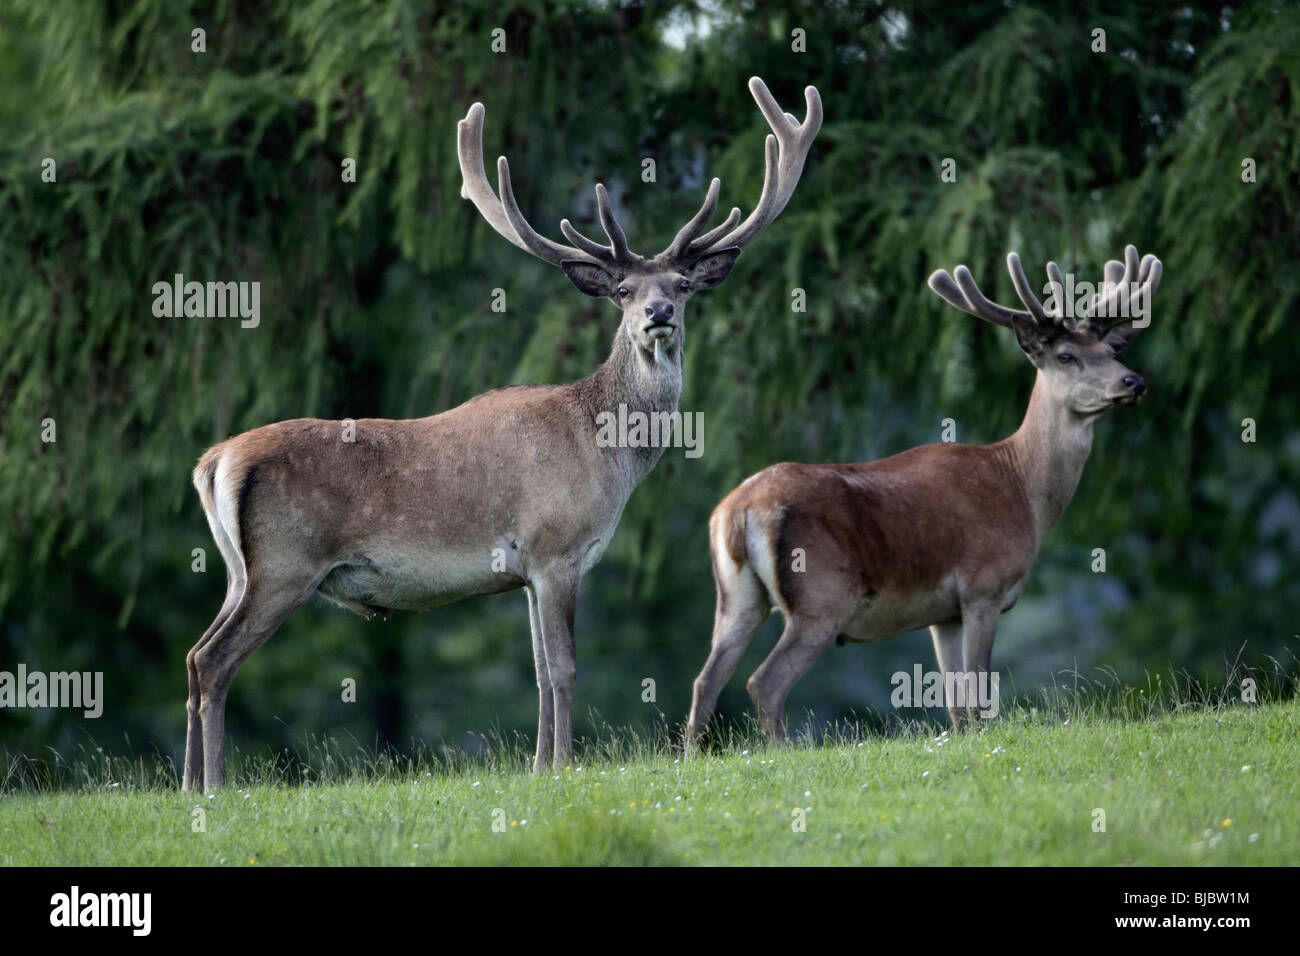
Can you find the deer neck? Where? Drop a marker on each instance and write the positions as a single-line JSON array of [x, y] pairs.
[[1048, 452], [637, 380]]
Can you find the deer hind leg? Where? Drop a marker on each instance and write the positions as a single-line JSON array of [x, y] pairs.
[[545, 691], [193, 775], [236, 579], [742, 607], [802, 642], [265, 602]]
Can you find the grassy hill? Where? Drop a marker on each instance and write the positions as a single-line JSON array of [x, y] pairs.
[[1198, 785]]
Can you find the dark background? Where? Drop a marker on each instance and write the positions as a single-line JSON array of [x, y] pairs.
[[376, 301]]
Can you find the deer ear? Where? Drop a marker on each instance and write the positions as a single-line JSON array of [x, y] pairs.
[[1032, 339], [710, 270], [590, 279], [1120, 337]]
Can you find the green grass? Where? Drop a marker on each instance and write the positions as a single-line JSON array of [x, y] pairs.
[[1192, 785]]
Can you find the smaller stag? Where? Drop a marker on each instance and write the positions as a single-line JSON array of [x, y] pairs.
[[940, 536]]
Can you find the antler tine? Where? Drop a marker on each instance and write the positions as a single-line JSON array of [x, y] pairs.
[[589, 246], [538, 245], [474, 184], [981, 306], [721, 228], [617, 238], [617, 251], [942, 283], [1149, 273], [1061, 313], [1115, 292], [784, 165], [1026, 293], [503, 214], [696, 222]]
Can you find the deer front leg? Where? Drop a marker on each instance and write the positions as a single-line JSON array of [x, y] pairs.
[[947, 639], [545, 693], [557, 598], [979, 627]]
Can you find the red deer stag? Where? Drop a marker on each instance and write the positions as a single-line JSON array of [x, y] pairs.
[[942, 535], [510, 490]]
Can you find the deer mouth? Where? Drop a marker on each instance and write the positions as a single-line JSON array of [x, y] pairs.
[[1127, 400], [660, 331]]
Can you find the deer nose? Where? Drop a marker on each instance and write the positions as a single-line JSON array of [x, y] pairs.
[[660, 313], [1135, 384]]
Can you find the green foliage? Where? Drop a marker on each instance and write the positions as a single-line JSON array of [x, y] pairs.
[[376, 301]]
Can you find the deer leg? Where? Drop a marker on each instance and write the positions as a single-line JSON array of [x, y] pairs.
[[742, 607], [545, 693], [193, 774], [262, 607], [947, 639], [979, 627], [801, 643], [557, 598]]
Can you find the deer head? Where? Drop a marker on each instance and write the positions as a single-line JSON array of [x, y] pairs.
[[1075, 355], [651, 292]]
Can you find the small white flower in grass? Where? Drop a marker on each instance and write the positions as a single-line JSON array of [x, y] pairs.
[[523, 823], [926, 774], [807, 793], [247, 795], [212, 796], [415, 846], [479, 783], [726, 816], [1253, 838], [1208, 833], [744, 753], [1245, 768], [1017, 770]]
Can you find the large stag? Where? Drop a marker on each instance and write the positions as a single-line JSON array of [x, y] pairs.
[[941, 536], [509, 490]]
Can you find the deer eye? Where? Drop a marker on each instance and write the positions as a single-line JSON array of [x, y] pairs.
[[684, 284], [1065, 358], [623, 292]]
